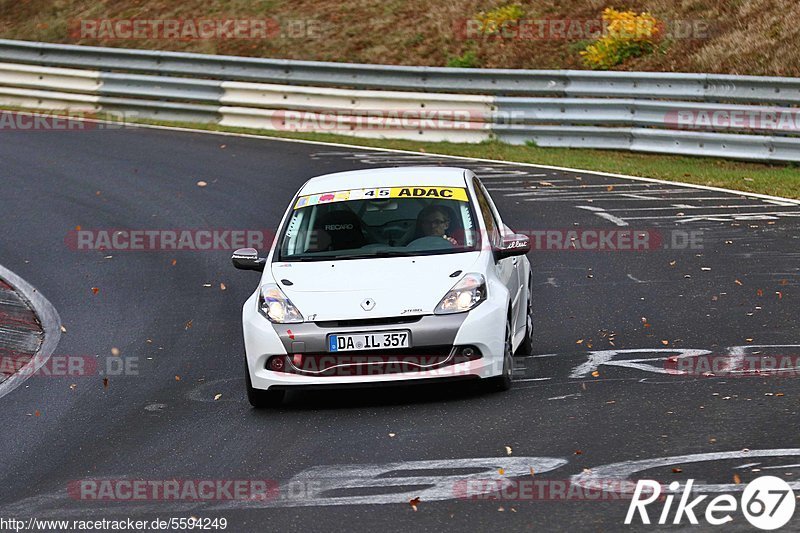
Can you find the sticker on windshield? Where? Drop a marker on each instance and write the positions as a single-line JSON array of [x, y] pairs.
[[444, 193]]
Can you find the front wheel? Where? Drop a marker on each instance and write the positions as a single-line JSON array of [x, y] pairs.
[[261, 398], [526, 346], [503, 381]]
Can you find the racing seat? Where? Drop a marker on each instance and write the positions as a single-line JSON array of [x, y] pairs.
[[339, 230]]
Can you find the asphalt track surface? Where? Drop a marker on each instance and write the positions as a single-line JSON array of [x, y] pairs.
[[575, 403]]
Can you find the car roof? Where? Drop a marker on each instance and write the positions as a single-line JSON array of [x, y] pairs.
[[386, 177]]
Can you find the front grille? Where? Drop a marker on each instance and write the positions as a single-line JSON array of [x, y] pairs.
[[385, 321], [373, 362]]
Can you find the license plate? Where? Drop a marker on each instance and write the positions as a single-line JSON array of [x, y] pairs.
[[369, 341]]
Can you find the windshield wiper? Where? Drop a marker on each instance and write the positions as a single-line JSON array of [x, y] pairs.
[[370, 256]]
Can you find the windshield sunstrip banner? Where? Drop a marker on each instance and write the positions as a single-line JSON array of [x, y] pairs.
[[443, 193]]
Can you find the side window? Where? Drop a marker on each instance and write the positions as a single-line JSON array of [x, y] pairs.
[[487, 214]]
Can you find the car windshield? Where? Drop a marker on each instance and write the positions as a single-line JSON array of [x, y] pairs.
[[386, 222]]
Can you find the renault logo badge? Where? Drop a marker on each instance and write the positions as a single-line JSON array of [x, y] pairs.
[[368, 304]]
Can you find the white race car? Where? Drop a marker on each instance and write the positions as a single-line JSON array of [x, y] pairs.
[[387, 275]]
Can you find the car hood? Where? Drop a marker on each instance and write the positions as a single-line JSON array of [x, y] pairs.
[[394, 286]]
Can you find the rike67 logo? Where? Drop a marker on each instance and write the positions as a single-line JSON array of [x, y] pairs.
[[767, 502]]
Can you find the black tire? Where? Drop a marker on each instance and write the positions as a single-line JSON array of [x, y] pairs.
[[503, 382], [259, 398], [526, 346]]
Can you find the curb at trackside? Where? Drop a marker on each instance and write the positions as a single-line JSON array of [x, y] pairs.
[[51, 326]]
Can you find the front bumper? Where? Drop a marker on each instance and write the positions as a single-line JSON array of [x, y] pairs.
[[481, 328]]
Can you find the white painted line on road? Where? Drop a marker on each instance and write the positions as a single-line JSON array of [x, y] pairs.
[[51, 325], [684, 206], [705, 217], [644, 186], [602, 214], [576, 395], [598, 478], [555, 191]]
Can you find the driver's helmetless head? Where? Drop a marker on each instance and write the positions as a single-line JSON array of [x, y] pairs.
[[434, 221]]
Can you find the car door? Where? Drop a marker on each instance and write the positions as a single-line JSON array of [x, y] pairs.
[[506, 268]]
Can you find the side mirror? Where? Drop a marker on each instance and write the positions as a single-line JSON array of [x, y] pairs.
[[513, 244], [247, 259]]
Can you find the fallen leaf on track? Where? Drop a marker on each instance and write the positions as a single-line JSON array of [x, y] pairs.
[[413, 503], [95, 290]]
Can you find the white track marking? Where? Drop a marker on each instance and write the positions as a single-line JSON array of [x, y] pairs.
[[576, 395], [403, 481], [603, 214], [684, 206], [604, 477], [696, 218], [746, 465], [556, 191]]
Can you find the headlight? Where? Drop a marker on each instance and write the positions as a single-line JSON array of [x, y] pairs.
[[276, 307], [466, 294]]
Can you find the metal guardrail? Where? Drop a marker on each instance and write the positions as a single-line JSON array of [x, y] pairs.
[[638, 111]]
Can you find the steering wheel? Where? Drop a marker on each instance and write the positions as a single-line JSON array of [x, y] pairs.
[[431, 242], [394, 230]]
